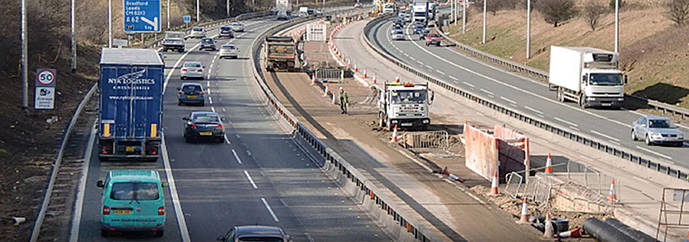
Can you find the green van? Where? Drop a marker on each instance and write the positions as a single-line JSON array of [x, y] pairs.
[[132, 200]]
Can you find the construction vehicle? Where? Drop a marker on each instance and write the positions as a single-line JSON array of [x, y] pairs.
[[404, 105], [280, 53]]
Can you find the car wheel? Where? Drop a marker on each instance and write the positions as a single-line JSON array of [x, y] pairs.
[[648, 140], [158, 233], [634, 136]]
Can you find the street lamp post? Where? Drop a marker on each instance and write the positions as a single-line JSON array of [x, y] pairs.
[[484, 22], [25, 67], [198, 12], [528, 29], [74, 42], [109, 23], [617, 26], [464, 16]]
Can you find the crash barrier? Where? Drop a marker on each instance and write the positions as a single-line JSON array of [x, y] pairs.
[[399, 224], [682, 113], [604, 232], [513, 184], [674, 207], [56, 164], [437, 139], [502, 150], [538, 190], [604, 146]]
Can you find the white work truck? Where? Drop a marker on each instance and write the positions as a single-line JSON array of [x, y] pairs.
[[587, 76], [405, 105]]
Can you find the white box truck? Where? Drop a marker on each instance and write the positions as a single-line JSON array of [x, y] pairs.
[[420, 11], [587, 76]]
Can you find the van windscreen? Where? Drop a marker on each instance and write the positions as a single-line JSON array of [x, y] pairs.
[[134, 191]]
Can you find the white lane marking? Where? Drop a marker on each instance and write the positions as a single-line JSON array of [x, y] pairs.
[[248, 152], [430, 67], [81, 191], [210, 100], [565, 121], [174, 67], [405, 54], [468, 84], [209, 90], [533, 110], [181, 221], [420, 63], [236, 156], [455, 78], [227, 140], [614, 142], [213, 109], [250, 179], [574, 128], [486, 91], [471, 194], [605, 135], [519, 89], [441, 72], [224, 110], [270, 210], [655, 153], [508, 100], [208, 83]]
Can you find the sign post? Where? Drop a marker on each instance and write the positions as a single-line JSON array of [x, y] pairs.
[[187, 19], [45, 89], [141, 16]]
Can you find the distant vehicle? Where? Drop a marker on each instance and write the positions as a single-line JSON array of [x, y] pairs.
[[407, 17], [419, 28], [424, 33], [203, 125], [657, 130], [310, 11], [228, 51], [395, 28], [226, 32], [207, 44], [190, 93], [357, 5], [398, 35], [130, 104], [255, 233], [587, 76], [405, 105], [237, 27], [420, 11], [303, 11], [173, 41], [282, 5], [280, 53], [198, 32], [317, 12], [432, 39], [282, 15], [191, 69], [389, 8], [132, 200]]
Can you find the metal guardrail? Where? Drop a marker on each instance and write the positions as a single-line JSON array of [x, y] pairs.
[[604, 146], [543, 76], [58, 161], [333, 160]]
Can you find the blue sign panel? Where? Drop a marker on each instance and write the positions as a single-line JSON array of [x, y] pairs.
[[141, 16], [187, 18]]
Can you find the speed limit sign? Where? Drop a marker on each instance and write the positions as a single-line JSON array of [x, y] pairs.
[[45, 77]]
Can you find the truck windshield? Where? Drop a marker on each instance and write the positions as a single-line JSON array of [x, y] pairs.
[[408, 96], [281, 49], [606, 79], [134, 191]]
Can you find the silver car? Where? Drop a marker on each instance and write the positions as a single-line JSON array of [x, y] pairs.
[[657, 130], [228, 51], [198, 32], [398, 35], [237, 27], [191, 69]]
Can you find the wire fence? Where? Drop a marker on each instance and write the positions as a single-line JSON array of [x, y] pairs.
[[438, 139]]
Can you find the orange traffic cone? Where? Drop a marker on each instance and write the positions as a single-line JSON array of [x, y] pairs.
[[364, 72], [394, 134], [313, 78], [612, 197], [374, 78], [525, 213], [574, 233], [325, 91], [356, 67], [494, 184], [549, 166], [549, 230]]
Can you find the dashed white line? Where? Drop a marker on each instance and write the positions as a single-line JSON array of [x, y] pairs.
[[213, 109], [430, 67], [574, 128], [508, 100], [454, 78], [420, 63], [250, 179], [468, 84], [441, 72], [605, 135], [486, 91], [533, 110], [210, 100], [224, 110], [208, 83], [655, 153], [236, 157], [565, 121], [412, 58], [270, 210], [227, 140]]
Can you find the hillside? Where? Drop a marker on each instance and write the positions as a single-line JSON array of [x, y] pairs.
[[653, 51]]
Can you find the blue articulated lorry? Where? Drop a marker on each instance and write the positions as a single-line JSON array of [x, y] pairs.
[[131, 104]]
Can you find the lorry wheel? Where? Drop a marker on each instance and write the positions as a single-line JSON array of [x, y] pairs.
[[560, 95], [582, 101]]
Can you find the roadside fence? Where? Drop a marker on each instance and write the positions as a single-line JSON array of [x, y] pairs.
[[437, 139]]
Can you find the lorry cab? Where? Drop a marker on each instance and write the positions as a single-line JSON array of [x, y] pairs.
[[132, 200], [404, 105]]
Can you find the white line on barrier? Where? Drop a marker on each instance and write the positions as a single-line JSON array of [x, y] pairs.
[[181, 221], [236, 156], [508, 100], [533, 110], [250, 180], [655, 153], [81, 190], [468, 84], [605, 135], [565, 121], [486, 91], [270, 210]]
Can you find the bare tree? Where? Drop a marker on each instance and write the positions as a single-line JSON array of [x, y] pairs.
[[493, 6], [678, 11], [557, 11], [593, 11]]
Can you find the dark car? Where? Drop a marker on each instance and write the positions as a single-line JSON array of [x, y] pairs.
[[190, 93], [255, 233], [203, 125], [424, 32], [207, 44], [226, 32], [418, 29]]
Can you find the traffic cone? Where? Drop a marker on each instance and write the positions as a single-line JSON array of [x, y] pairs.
[[349, 63], [374, 78], [325, 91], [525, 213], [397, 79], [548, 232], [356, 68], [574, 233], [494, 184], [612, 197], [313, 78], [548, 166], [394, 134], [334, 102], [364, 72]]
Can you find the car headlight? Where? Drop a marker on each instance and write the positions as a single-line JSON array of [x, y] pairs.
[[680, 136], [394, 121], [425, 121], [656, 135]]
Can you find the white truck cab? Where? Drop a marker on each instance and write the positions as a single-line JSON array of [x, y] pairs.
[[404, 105]]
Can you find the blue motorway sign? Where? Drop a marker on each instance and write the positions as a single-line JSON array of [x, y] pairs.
[[141, 16], [187, 18]]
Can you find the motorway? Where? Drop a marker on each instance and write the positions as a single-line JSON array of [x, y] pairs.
[[257, 176], [524, 95]]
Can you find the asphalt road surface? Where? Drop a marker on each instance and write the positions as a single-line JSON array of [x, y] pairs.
[[257, 176], [527, 96]]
